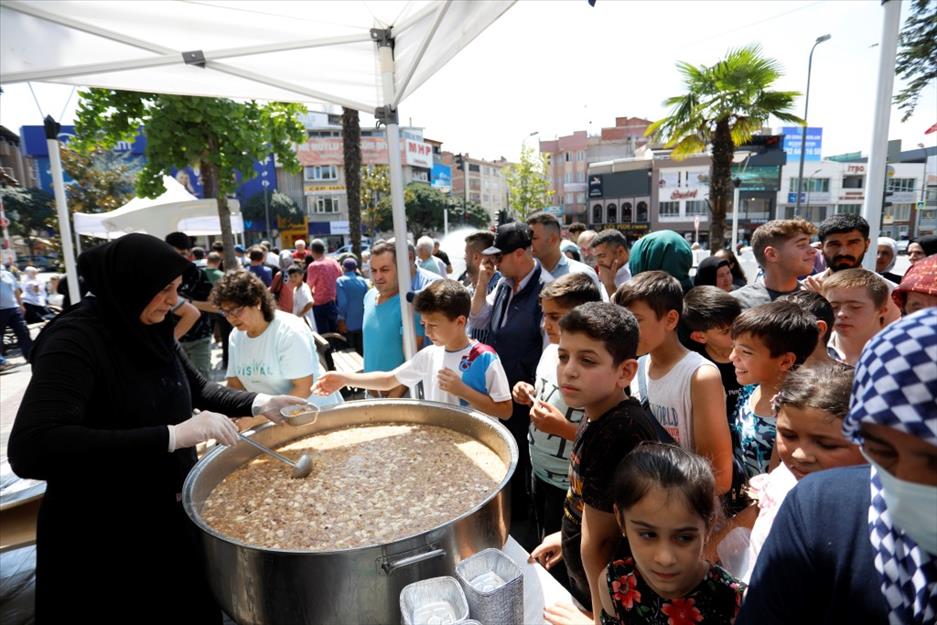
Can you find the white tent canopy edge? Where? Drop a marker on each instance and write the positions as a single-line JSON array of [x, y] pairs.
[[366, 56]]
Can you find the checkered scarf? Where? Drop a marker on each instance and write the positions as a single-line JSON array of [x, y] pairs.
[[896, 385]]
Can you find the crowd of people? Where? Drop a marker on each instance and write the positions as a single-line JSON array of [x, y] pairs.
[[695, 446]]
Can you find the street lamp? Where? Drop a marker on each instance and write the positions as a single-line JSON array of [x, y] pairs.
[[803, 134], [739, 157], [807, 191], [266, 183]]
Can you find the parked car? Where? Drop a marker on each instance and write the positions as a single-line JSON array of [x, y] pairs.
[[903, 245], [346, 249], [42, 263]]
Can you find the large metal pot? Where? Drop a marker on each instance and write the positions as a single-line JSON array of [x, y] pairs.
[[266, 586]]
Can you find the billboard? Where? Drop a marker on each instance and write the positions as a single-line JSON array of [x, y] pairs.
[[442, 177], [792, 141], [331, 151], [418, 154]]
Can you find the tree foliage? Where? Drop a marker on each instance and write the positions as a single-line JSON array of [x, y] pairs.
[[528, 184], [219, 136], [425, 207], [103, 181], [375, 186], [917, 56], [279, 205], [30, 211], [723, 106], [351, 144]]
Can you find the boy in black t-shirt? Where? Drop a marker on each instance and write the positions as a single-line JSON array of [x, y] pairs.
[[597, 349], [708, 313]]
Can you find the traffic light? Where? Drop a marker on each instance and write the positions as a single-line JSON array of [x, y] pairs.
[[459, 162]]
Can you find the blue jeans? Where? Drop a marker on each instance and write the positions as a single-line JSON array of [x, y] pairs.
[[14, 318], [326, 317]]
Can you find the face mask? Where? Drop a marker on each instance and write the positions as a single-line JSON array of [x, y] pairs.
[[911, 507]]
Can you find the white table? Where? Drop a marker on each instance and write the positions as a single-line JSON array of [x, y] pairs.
[[540, 588]]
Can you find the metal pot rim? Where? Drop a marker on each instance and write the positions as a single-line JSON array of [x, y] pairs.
[[196, 517]]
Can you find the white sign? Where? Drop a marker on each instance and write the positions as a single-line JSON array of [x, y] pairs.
[[418, 154], [339, 227]]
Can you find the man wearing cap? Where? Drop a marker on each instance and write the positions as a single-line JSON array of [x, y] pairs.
[[349, 296], [512, 316], [321, 275], [239, 252]]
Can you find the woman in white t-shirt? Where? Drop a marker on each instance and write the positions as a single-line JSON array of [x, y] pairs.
[[302, 295], [269, 351]]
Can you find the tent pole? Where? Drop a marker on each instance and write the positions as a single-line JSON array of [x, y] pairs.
[[389, 114], [65, 229], [873, 206]]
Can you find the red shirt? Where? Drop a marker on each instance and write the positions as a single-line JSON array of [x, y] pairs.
[[321, 277]]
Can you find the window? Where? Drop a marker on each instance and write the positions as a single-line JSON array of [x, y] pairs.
[[696, 207], [642, 212], [849, 209], [580, 198], [474, 167], [580, 155], [853, 182], [420, 175], [321, 172], [626, 212], [669, 209], [902, 211], [901, 184], [569, 177], [611, 214], [597, 214], [569, 198], [475, 197], [812, 185], [321, 204], [567, 156]]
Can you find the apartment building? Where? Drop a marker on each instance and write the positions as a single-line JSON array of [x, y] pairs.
[[487, 185]]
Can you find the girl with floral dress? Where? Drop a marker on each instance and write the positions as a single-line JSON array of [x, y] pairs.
[[666, 505]]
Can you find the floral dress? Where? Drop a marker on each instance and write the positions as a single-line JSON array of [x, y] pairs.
[[714, 601]]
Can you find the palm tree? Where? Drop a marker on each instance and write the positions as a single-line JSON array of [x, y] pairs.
[[723, 106], [351, 142]]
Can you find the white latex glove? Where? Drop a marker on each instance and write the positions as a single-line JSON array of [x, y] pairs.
[[200, 428], [269, 406]]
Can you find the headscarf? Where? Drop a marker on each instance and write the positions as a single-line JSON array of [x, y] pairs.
[[928, 244], [286, 259], [895, 386], [921, 277], [123, 276], [890, 242], [664, 250], [707, 269]]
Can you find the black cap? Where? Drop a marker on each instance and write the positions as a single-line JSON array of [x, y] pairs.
[[510, 237]]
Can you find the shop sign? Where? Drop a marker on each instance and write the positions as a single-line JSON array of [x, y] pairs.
[[855, 170], [793, 136], [330, 151], [339, 227], [852, 196], [595, 186], [316, 187], [684, 195], [418, 154]]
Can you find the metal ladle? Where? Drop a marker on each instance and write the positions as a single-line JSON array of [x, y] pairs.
[[295, 415], [301, 468]]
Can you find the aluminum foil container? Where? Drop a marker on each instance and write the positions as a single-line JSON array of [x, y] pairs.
[[435, 601], [494, 587]]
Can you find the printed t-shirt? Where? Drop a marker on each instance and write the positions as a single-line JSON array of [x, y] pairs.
[[477, 363]]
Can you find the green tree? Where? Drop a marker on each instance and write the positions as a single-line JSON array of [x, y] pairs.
[[30, 212], [220, 136], [424, 209], [103, 181], [351, 142], [723, 106], [917, 56], [528, 184], [375, 185], [279, 205]]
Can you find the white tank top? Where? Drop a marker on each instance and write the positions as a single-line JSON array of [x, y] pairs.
[[669, 398]]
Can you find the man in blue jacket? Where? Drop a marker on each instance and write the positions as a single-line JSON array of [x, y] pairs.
[[349, 296]]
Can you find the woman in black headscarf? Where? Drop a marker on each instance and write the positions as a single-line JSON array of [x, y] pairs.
[[714, 271], [107, 421]]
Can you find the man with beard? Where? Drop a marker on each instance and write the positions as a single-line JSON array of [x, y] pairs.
[[844, 240]]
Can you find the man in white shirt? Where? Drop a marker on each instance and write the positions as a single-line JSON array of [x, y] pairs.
[[546, 236]]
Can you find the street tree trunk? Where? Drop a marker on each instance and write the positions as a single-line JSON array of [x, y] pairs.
[[720, 183], [351, 141], [209, 177]]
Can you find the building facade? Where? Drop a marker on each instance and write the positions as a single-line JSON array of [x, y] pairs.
[[487, 185], [15, 169]]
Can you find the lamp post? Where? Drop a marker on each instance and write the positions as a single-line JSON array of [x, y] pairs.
[[807, 191], [741, 156], [803, 134], [266, 183]]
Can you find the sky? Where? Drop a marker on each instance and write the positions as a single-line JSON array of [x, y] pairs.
[[559, 66]]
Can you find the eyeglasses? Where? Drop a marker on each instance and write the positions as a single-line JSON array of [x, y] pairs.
[[231, 312]]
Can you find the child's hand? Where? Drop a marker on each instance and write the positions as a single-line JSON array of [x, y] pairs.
[[450, 381], [566, 614], [549, 552], [548, 419], [524, 393], [328, 383]]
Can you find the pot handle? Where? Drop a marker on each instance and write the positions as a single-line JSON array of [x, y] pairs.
[[390, 566]]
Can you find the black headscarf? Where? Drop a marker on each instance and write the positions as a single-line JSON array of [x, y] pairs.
[[122, 277], [928, 244], [707, 270]]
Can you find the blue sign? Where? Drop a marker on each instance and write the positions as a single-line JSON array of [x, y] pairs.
[[792, 197], [441, 177], [792, 141]]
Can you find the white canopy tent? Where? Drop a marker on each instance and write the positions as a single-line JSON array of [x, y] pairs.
[[174, 210], [364, 55]]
